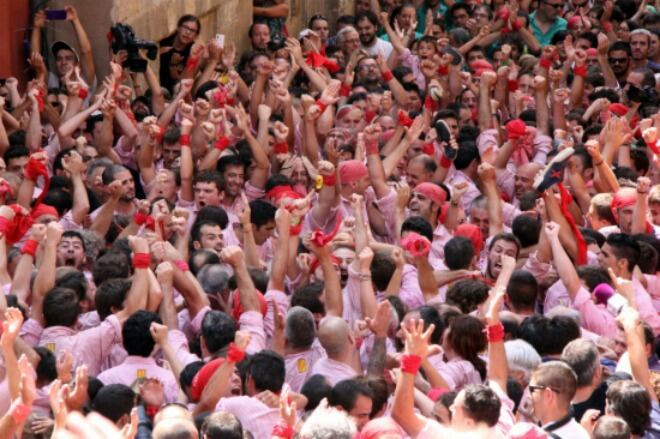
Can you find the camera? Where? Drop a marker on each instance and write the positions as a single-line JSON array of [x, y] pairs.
[[122, 37], [276, 43]]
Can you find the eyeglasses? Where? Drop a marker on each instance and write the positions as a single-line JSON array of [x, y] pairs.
[[532, 388], [368, 67], [189, 29], [555, 5], [617, 60]]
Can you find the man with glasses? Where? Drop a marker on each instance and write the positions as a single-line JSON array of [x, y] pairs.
[[546, 20], [175, 50], [551, 391]]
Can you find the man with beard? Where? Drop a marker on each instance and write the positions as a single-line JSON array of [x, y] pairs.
[[618, 57], [366, 24], [501, 244], [640, 43]]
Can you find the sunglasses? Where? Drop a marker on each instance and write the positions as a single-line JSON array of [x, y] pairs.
[[533, 388], [555, 5], [617, 60]]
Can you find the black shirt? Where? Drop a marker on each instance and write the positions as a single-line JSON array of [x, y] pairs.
[[172, 63]]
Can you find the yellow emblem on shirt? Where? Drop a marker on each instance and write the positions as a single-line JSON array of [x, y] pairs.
[[302, 365], [50, 347], [141, 373]]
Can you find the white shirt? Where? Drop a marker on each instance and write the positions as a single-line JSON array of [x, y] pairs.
[[379, 46], [571, 430]]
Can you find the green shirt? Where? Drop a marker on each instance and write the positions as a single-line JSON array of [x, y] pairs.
[[545, 38]]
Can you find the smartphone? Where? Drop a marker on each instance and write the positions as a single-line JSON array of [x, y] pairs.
[[56, 14], [220, 40]]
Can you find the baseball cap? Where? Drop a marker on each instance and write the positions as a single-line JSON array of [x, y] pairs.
[[59, 45]]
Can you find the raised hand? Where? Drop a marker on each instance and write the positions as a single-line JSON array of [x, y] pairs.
[[552, 230], [416, 339]]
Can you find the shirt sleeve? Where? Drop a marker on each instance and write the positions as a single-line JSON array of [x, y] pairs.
[[594, 318], [253, 322], [31, 332], [179, 343], [542, 146], [410, 292], [282, 303]]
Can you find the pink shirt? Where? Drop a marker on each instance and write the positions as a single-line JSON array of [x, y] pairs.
[[351, 298], [471, 193], [135, 367], [179, 343], [410, 292], [595, 318], [653, 288], [91, 347], [645, 306], [457, 372], [282, 302], [299, 366], [333, 371], [253, 322], [255, 416]]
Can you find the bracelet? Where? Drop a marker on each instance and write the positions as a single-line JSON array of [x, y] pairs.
[[30, 247], [330, 180], [387, 76], [82, 93], [192, 63], [580, 71], [443, 70], [445, 162], [321, 105], [512, 85], [151, 411], [371, 147], [141, 260], [345, 90], [221, 144], [281, 148], [364, 277], [495, 333], [234, 354], [19, 411], [182, 265], [517, 24], [184, 140], [411, 364], [641, 193], [545, 63], [599, 163], [295, 230], [282, 430]]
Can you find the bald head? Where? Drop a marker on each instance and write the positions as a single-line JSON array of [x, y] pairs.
[[524, 178], [333, 334], [175, 429]]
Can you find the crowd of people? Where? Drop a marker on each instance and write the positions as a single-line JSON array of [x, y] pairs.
[[441, 218]]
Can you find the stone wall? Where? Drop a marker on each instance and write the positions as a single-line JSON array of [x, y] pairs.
[[302, 10]]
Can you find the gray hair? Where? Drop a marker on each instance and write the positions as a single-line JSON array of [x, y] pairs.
[[342, 33], [214, 278], [583, 357], [522, 357], [328, 423], [561, 310]]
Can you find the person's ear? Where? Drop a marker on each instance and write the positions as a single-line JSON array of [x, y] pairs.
[[196, 245]]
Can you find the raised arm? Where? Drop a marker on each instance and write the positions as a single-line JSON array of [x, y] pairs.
[[334, 303], [498, 369], [73, 164], [233, 255], [630, 319], [86, 55], [136, 299], [281, 250], [562, 262], [45, 279], [640, 212]]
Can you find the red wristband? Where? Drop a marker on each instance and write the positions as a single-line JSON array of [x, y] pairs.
[[371, 147], [387, 76], [345, 90], [321, 105], [580, 71], [495, 333], [282, 430], [429, 103], [231, 102], [281, 148], [19, 411], [140, 218], [505, 30], [141, 260], [182, 265], [443, 70], [517, 24], [234, 354], [512, 84], [428, 148], [295, 230], [222, 143], [330, 180], [445, 162], [82, 93], [545, 63], [151, 411], [184, 140], [30, 247], [192, 63], [410, 364], [607, 27]]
